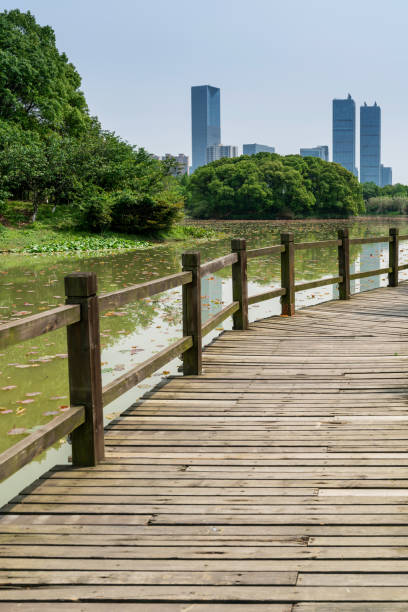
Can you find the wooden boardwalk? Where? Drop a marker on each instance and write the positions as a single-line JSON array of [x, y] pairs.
[[277, 481]]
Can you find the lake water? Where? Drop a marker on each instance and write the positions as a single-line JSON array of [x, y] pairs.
[[33, 374]]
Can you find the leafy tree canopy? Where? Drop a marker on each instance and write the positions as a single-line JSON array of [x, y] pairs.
[[51, 149], [269, 186], [39, 88]]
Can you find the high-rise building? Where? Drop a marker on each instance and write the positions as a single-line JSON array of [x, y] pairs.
[[385, 175], [344, 133], [253, 149], [205, 121], [218, 151], [321, 151], [370, 144], [181, 163]]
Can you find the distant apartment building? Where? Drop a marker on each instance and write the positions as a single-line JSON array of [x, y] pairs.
[[181, 164], [370, 144], [385, 175], [253, 149], [218, 151], [321, 151], [344, 133], [205, 122]]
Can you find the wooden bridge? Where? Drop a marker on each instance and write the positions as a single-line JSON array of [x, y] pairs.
[[273, 476]]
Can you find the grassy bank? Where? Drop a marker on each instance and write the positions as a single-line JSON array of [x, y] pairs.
[[56, 233]]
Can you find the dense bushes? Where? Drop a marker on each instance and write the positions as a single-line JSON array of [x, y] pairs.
[[269, 186], [52, 150], [386, 205]]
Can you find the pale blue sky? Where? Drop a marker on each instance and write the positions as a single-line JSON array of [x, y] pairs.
[[278, 64]]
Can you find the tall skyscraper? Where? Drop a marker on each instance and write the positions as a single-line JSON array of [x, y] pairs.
[[386, 175], [370, 144], [205, 121], [253, 149], [321, 151], [218, 151], [344, 133]]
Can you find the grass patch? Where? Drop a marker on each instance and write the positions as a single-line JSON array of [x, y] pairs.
[[55, 232]]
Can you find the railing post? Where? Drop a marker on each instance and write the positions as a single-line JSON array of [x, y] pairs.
[[240, 284], [344, 264], [192, 314], [84, 364], [288, 275], [393, 257]]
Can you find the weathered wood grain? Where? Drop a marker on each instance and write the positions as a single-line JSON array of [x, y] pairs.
[[38, 324]]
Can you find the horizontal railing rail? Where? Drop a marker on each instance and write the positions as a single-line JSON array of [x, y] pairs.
[[80, 316], [371, 240], [319, 283], [318, 244], [114, 299], [16, 457], [370, 273], [263, 251], [37, 325]]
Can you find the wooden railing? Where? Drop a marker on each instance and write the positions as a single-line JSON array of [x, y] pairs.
[[80, 315]]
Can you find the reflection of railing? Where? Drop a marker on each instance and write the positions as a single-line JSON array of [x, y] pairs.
[[80, 316]]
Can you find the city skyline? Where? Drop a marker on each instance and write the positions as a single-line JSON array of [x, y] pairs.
[[143, 98]]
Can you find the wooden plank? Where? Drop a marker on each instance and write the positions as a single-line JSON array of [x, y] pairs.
[[263, 251], [266, 295], [38, 324], [370, 273], [210, 593], [24, 451], [145, 369], [217, 264], [319, 283], [219, 317], [115, 299], [317, 244], [370, 240]]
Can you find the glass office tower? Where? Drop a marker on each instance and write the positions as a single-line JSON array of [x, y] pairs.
[[253, 149], [370, 144], [344, 133], [321, 151], [205, 122], [386, 175]]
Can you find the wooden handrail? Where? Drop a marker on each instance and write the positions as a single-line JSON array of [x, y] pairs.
[[267, 295], [81, 318], [218, 264], [141, 371], [319, 283], [24, 451], [370, 273], [270, 250], [114, 299], [318, 244], [370, 240], [219, 317], [37, 325]]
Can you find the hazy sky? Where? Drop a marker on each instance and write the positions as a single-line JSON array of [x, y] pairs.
[[278, 64]]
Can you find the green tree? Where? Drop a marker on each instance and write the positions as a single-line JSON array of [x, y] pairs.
[[269, 186], [39, 88]]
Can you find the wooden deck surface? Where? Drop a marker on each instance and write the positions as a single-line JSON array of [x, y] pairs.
[[275, 482]]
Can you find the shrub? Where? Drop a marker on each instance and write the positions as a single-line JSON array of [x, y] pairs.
[[96, 211], [134, 212]]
